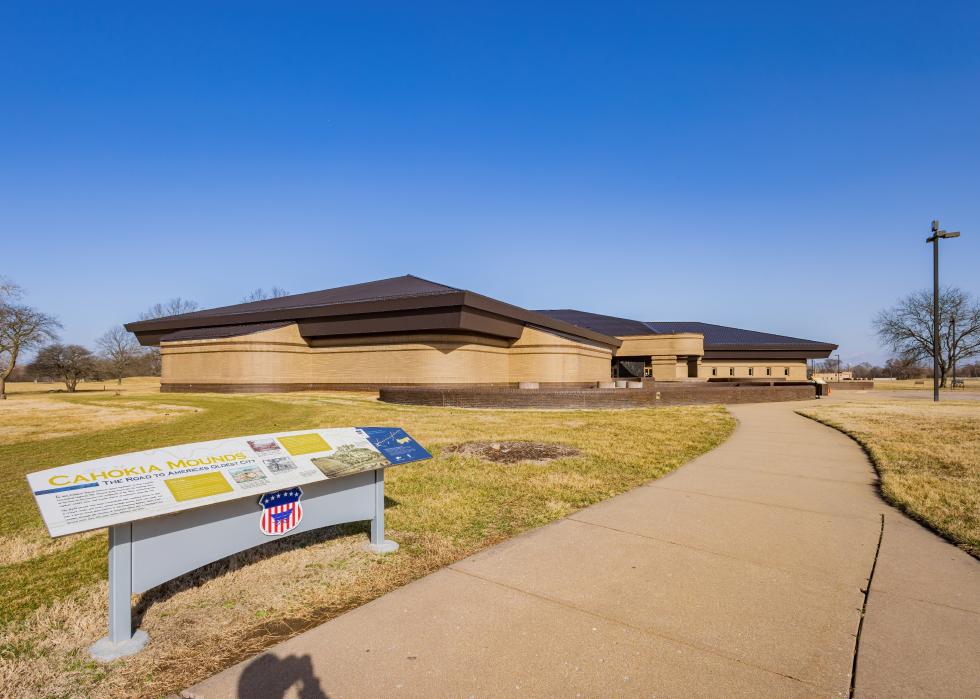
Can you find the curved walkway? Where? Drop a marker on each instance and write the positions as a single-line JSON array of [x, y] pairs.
[[743, 573]]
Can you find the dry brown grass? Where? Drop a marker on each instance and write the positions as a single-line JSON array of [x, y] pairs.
[[33, 543], [972, 384], [34, 416], [132, 384], [441, 510], [927, 456]]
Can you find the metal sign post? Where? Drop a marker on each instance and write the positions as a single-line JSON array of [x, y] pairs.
[[379, 544], [147, 553]]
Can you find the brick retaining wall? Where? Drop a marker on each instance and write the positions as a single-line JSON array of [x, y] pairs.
[[674, 394], [851, 385]]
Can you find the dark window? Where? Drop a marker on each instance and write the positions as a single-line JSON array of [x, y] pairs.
[[768, 371], [751, 371], [628, 368]]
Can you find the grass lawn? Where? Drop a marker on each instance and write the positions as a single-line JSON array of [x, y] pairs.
[[53, 593], [927, 456], [970, 384], [132, 384]]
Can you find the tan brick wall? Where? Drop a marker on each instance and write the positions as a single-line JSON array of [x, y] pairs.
[[282, 356], [541, 356], [667, 344], [797, 369]]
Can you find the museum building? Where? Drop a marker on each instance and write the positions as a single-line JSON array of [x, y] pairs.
[[410, 331]]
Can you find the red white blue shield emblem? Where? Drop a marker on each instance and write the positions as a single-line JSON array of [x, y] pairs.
[[281, 511]]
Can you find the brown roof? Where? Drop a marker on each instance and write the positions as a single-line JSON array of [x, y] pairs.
[[610, 325], [719, 340], [380, 290], [723, 337], [399, 304]]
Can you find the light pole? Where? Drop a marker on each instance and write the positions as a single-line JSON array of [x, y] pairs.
[[952, 358], [934, 239]]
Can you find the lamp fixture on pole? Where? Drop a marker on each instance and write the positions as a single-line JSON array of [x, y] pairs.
[[937, 234]]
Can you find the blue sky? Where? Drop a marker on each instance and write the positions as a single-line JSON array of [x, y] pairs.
[[772, 166]]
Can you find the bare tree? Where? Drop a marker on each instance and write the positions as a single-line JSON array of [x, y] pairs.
[[907, 328], [70, 363], [22, 328], [173, 307], [120, 350], [904, 368], [9, 291], [864, 370], [153, 361], [829, 366], [261, 294]]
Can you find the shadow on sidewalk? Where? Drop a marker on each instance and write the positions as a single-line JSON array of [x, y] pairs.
[[268, 677]]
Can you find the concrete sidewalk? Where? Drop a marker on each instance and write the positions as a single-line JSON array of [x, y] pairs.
[[742, 573]]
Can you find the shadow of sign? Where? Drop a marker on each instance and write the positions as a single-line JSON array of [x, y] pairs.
[[198, 577], [269, 677]]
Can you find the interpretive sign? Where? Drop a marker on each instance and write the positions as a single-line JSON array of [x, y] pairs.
[[172, 510], [103, 492]]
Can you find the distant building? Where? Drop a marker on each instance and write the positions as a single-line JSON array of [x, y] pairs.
[[408, 330], [833, 376]]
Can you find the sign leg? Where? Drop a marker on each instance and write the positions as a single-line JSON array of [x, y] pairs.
[[121, 640], [378, 542]]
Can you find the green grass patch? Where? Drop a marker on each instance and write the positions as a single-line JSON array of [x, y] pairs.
[[439, 510]]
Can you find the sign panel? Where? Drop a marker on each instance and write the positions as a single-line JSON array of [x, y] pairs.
[[118, 489], [395, 444]]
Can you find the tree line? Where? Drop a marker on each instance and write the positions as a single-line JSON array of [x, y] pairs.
[[25, 329], [893, 368], [907, 329]]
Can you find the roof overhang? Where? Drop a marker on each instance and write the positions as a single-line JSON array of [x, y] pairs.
[[821, 351], [454, 311]]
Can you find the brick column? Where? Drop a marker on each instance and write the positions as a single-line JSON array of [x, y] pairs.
[[664, 367]]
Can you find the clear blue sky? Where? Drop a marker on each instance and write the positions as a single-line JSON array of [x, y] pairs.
[[772, 166]]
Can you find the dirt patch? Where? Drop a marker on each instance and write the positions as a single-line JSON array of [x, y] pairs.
[[514, 452]]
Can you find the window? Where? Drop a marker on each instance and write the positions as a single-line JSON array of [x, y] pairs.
[[768, 371], [731, 371], [785, 371], [714, 371], [751, 371]]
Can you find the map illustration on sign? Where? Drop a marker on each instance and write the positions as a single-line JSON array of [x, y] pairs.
[[118, 489], [396, 445]]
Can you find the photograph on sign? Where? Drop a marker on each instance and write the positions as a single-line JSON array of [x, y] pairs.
[[113, 490]]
